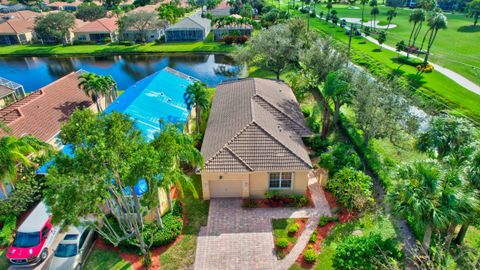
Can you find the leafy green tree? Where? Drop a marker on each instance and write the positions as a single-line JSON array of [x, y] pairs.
[[329, 6], [170, 12], [473, 11], [54, 27], [97, 86], [109, 4], [446, 135], [90, 12], [17, 151], [141, 3], [337, 87], [436, 22], [196, 96], [140, 22], [317, 62], [352, 188], [382, 37], [273, 50], [365, 252], [110, 156], [417, 18]]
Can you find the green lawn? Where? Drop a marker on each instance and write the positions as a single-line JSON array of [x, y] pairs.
[[105, 259], [280, 230], [432, 85], [453, 48], [182, 255], [115, 49]]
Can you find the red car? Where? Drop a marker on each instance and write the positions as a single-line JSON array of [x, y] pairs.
[[33, 238]]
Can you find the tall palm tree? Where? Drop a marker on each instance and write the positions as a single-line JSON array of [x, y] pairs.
[[374, 12], [418, 194], [91, 86], [436, 22], [392, 13], [176, 150], [363, 2], [13, 152], [417, 17], [196, 96], [108, 87]]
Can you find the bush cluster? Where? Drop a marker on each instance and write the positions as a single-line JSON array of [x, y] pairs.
[[338, 156], [231, 39], [293, 228], [27, 192], [310, 255], [9, 225], [324, 220], [365, 252], [84, 42], [313, 237], [352, 188], [277, 198], [172, 227], [281, 243]]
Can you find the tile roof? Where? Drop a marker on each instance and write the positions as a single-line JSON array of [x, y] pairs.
[[193, 21], [64, 4], [99, 26], [16, 26], [255, 125], [22, 14], [42, 112]]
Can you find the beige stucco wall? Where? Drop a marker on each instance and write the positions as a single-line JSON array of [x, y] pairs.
[[254, 184]]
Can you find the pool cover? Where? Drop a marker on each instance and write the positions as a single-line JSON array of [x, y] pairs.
[[158, 96]]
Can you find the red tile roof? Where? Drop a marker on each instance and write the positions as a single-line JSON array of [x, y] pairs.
[[22, 15], [16, 26], [42, 112], [99, 26]]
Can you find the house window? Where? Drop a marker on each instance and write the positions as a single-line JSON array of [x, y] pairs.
[[280, 180]]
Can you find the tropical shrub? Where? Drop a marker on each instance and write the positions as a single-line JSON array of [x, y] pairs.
[[281, 243], [292, 229], [318, 144], [324, 220], [172, 227], [177, 209], [27, 192], [365, 252], [9, 225], [313, 237], [310, 255], [249, 203], [301, 201], [339, 156], [352, 188]]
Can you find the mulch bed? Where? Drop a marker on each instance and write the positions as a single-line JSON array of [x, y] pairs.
[[302, 222], [322, 232]]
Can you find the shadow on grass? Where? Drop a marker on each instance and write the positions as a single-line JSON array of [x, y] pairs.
[[469, 29], [377, 50]]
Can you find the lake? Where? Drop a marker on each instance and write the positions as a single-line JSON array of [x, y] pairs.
[[36, 72]]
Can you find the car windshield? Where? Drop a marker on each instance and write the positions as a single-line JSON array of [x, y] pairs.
[[66, 250], [25, 240]]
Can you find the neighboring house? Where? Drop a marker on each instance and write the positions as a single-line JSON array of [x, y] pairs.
[[73, 6], [233, 29], [10, 92], [151, 34], [16, 31], [101, 30], [253, 141], [192, 28], [43, 111], [69, 37]]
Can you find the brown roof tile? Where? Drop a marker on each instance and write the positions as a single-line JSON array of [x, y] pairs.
[[102, 25], [42, 112], [255, 124], [16, 26]]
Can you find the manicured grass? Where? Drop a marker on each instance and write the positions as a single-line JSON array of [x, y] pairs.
[[3, 259], [458, 55], [368, 223], [115, 49], [105, 259], [182, 254], [280, 229], [432, 85]]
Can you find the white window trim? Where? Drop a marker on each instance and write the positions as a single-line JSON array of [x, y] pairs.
[[280, 185]]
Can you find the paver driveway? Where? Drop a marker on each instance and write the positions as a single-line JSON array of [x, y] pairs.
[[237, 238]]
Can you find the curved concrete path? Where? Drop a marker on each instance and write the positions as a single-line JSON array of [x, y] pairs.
[[237, 238]]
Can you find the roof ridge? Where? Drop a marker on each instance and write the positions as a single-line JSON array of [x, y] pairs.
[[56, 81], [101, 22], [194, 21], [286, 147], [228, 142], [239, 158], [275, 107]]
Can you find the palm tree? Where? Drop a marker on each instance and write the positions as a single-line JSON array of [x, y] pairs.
[[13, 152], [177, 150], [329, 6], [108, 87], [196, 96], [392, 13], [417, 17], [91, 86], [418, 194], [363, 2], [436, 22], [374, 12]]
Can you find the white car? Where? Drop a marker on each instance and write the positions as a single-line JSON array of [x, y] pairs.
[[72, 252]]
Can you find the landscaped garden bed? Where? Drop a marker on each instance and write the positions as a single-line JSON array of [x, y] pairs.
[[275, 199], [285, 234]]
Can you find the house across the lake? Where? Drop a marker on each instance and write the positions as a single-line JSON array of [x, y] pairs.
[[191, 28], [253, 141], [17, 27], [101, 31]]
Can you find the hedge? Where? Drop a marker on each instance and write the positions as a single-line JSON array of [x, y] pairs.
[[6, 234]]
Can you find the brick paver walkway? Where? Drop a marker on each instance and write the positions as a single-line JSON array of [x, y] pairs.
[[237, 238]]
